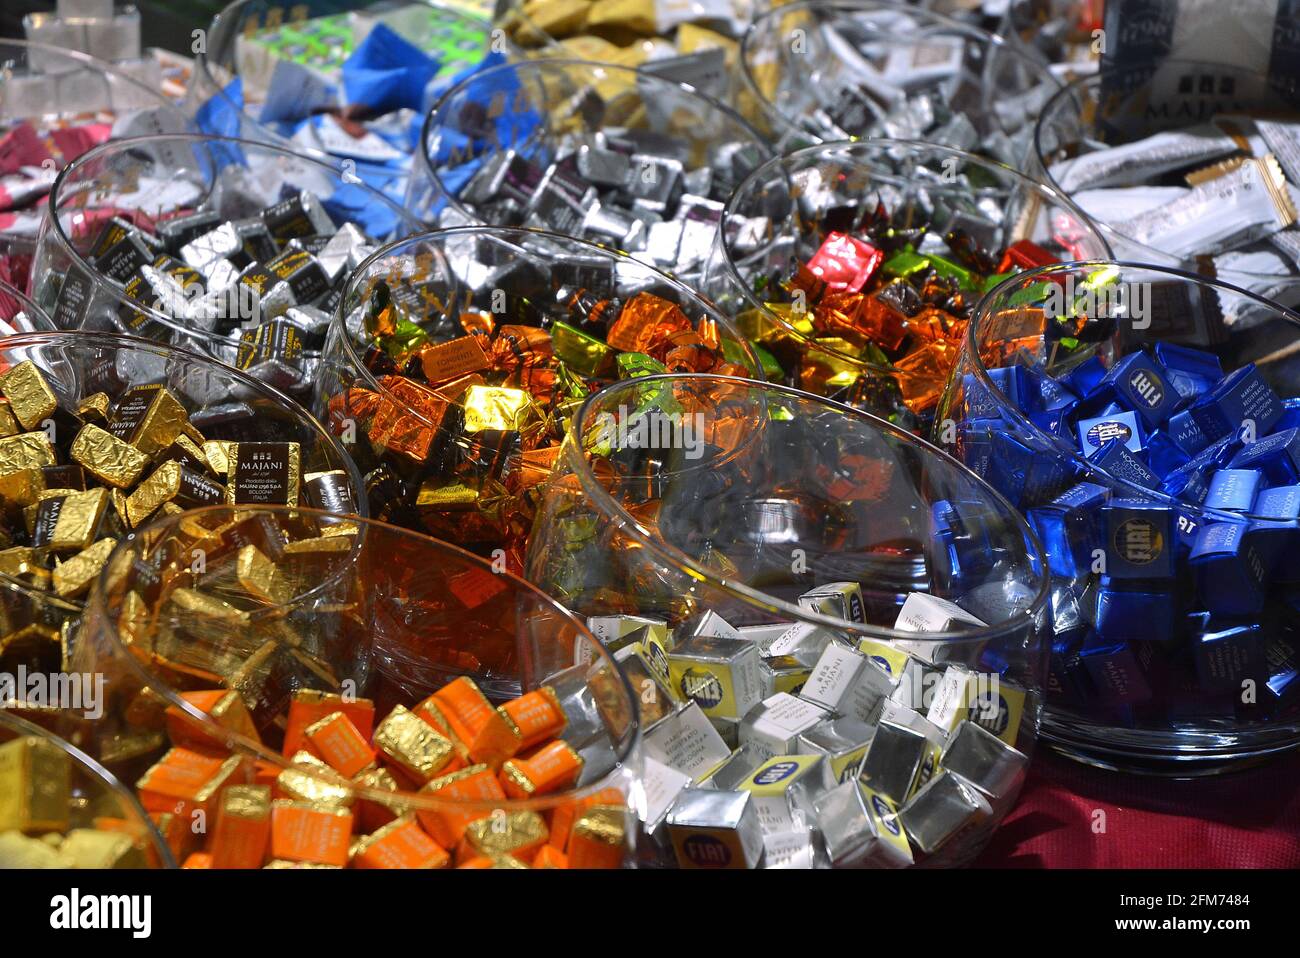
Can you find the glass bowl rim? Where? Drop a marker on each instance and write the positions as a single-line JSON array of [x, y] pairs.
[[844, 7], [1020, 281], [626, 754], [339, 329], [679, 561], [1059, 103], [54, 229], [871, 145], [443, 103], [23, 727]]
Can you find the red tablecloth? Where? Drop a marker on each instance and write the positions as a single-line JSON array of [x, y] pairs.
[[1248, 819]]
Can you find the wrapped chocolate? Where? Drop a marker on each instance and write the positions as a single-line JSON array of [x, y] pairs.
[[458, 356], [1158, 465], [827, 621], [693, 43], [265, 711], [58, 104], [805, 758], [629, 158], [236, 251], [118, 439], [1176, 179], [869, 258], [346, 84], [821, 72], [62, 810]]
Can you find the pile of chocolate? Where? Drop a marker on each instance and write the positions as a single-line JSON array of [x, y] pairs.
[[1174, 548], [462, 413], [883, 290], [256, 290], [79, 474]]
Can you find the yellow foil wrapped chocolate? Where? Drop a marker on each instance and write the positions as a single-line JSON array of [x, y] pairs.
[[149, 418], [30, 396], [74, 577], [80, 516], [28, 450], [108, 458], [35, 786], [498, 408]]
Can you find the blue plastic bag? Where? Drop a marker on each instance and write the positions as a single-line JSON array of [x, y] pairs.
[[387, 72]]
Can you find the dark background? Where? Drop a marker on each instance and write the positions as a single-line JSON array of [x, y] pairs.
[[162, 24]]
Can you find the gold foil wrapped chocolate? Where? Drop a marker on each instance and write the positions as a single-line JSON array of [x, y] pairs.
[[35, 786], [28, 450], [74, 577], [80, 518], [171, 482], [30, 396], [108, 458], [149, 418]]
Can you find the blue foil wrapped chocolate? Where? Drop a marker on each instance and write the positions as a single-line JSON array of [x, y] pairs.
[[1277, 456], [1139, 539], [1141, 384], [1243, 397], [1230, 569], [1116, 671], [1067, 525], [1114, 458], [1135, 612]]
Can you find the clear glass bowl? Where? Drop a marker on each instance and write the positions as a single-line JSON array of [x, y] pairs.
[[549, 108], [102, 823], [454, 444], [1125, 104], [150, 178], [77, 366], [781, 215], [388, 619], [234, 90], [760, 493], [70, 102], [1137, 689], [818, 71]]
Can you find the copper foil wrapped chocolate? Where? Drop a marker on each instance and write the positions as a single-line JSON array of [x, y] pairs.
[[453, 407]]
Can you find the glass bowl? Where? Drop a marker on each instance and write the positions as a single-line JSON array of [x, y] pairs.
[[246, 656], [54, 105], [454, 417], [80, 815], [817, 71], [767, 536], [1162, 661], [276, 74], [602, 152], [807, 232], [223, 407], [1204, 112], [83, 284]]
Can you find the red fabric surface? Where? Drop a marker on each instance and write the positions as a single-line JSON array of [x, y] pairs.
[[1246, 819]]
